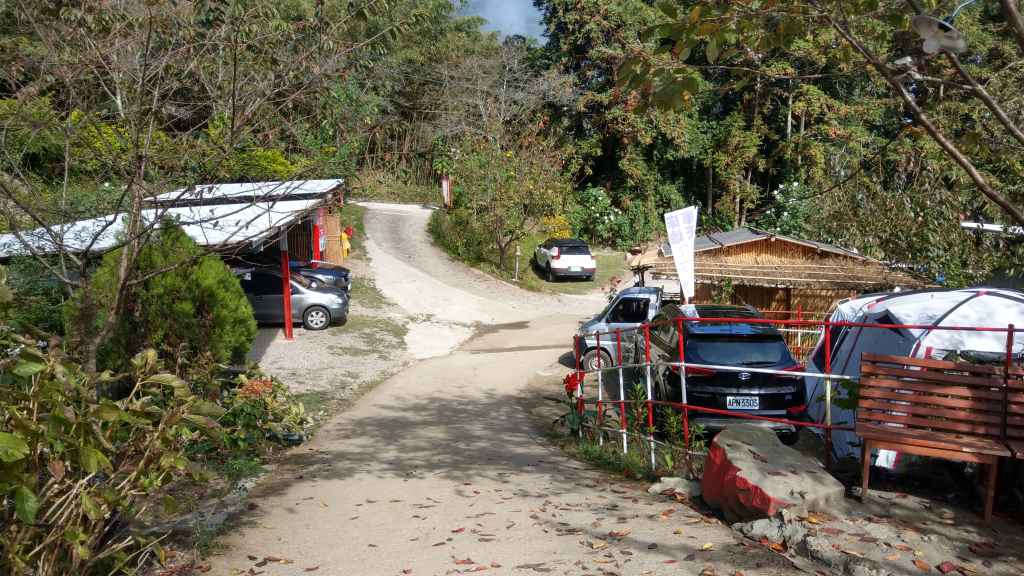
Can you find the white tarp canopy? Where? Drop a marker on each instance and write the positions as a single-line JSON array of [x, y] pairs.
[[211, 226], [975, 307]]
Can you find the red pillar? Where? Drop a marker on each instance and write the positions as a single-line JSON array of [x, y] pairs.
[[286, 281], [317, 219]]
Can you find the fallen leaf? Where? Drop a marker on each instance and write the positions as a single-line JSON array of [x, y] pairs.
[[984, 549], [598, 544], [831, 531], [922, 565], [778, 547], [671, 561], [407, 571], [464, 562], [311, 569], [707, 546], [903, 547], [690, 557], [892, 557], [495, 565], [458, 531], [438, 544], [947, 567], [620, 533]]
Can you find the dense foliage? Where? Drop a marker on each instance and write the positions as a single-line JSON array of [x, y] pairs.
[[187, 305], [762, 114], [79, 465]]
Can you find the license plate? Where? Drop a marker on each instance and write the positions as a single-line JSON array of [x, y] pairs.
[[575, 269], [742, 402]]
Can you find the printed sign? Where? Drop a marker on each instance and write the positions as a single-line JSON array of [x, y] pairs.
[[682, 229]]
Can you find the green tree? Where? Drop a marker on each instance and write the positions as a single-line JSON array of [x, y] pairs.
[[187, 305], [506, 191]]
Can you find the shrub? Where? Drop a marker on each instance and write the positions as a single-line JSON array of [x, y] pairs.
[[193, 312], [40, 295], [76, 469]]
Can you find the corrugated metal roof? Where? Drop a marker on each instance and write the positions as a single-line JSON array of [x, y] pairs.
[[211, 214], [211, 226], [248, 191], [705, 242]]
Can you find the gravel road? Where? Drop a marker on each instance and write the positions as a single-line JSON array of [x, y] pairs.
[[439, 470]]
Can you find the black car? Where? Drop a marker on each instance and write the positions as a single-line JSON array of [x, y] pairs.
[[324, 273], [743, 345]]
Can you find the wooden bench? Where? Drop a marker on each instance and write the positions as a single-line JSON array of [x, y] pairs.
[[951, 410]]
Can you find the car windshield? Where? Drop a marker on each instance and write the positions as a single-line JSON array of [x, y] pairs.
[[574, 250], [300, 280], [737, 351]]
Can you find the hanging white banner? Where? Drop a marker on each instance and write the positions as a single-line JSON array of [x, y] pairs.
[[682, 229]]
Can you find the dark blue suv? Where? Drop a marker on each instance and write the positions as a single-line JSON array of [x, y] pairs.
[[725, 344]]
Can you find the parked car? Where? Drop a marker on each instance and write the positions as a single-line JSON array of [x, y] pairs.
[[741, 345], [316, 308], [565, 258], [323, 273], [629, 309]]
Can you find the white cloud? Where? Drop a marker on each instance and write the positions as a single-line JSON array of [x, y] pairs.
[[508, 16]]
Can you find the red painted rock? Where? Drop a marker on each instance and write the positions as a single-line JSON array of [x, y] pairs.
[[749, 474]]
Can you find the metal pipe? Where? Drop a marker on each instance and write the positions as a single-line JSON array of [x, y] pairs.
[[600, 390], [622, 391], [682, 383], [650, 403], [828, 396]]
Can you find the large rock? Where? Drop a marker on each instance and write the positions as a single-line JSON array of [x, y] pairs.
[[749, 474]]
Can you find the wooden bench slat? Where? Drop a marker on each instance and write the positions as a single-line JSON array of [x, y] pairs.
[[962, 391], [932, 376], [938, 424], [932, 363], [915, 407], [941, 440], [881, 393]]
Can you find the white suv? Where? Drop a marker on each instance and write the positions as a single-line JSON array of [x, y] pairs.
[[565, 258]]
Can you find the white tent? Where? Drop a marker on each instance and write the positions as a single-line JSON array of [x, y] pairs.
[[975, 307]]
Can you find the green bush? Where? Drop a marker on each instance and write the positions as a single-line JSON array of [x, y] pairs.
[[460, 235], [76, 469], [40, 295], [194, 313]]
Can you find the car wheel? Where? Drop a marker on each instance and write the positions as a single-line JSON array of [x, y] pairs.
[[591, 357], [316, 318], [550, 274]]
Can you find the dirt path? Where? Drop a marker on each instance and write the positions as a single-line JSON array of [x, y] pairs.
[[439, 470]]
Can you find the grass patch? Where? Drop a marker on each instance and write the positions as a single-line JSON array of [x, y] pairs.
[[634, 464], [608, 266], [365, 292], [374, 335]]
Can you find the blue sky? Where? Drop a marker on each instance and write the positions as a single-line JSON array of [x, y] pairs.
[[508, 16]]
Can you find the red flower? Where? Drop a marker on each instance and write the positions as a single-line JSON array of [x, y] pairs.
[[572, 383]]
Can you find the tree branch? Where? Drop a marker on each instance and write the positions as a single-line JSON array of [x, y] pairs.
[[951, 150], [1013, 16]]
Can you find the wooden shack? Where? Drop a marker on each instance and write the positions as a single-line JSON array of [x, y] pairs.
[[776, 273]]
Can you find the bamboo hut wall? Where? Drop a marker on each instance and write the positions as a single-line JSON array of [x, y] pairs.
[[332, 228], [765, 251]]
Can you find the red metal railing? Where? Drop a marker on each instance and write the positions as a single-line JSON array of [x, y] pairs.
[[824, 327]]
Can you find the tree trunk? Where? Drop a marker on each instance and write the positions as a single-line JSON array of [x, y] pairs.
[[710, 191]]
